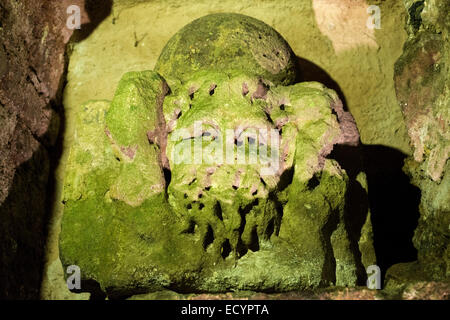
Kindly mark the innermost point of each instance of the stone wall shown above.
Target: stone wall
(32, 65)
(33, 60)
(422, 86)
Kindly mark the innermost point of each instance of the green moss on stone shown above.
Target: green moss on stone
(208, 226)
(228, 41)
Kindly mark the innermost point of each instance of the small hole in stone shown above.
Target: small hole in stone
(226, 249)
(167, 176)
(241, 248)
(209, 237)
(191, 96)
(333, 111)
(193, 180)
(235, 187)
(185, 195)
(191, 228)
(254, 240)
(218, 211)
(282, 107)
(313, 183)
(270, 229)
(201, 206)
(200, 195)
(254, 193)
(207, 188)
(189, 206)
(212, 89)
(118, 159)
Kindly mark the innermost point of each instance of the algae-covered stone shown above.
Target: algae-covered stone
(221, 182)
(272, 224)
(228, 41)
(132, 114)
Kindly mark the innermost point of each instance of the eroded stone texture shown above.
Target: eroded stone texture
(231, 227)
(422, 85)
(142, 212)
(228, 41)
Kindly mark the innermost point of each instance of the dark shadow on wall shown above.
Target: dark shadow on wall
(97, 12)
(394, 203)
(312, 72)
(356, 202)
(27, 210)
(22, 229)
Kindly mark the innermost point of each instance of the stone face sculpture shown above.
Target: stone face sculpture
(219, 182)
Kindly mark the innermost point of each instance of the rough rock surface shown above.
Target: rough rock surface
(133, 212)
(422, 86)
(33, 60)
(234, 227)
(32, 64)
(228, 40)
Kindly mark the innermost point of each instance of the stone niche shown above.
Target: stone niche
(93, 124)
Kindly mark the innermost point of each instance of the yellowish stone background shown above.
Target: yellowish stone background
(329, 33)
